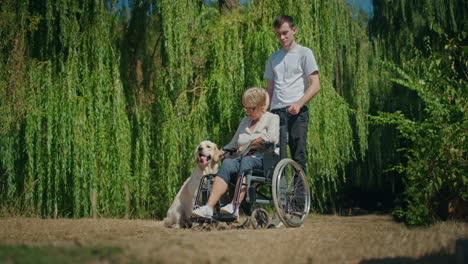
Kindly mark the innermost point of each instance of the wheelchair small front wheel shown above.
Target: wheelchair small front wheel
(291, 193)
(259, 218)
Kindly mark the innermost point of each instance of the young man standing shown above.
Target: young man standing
(293, 81)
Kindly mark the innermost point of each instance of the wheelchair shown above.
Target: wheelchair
(281, 182)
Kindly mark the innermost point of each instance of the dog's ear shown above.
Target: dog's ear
(218, 154)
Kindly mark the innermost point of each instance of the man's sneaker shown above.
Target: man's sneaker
(275, 222)
(204, 211)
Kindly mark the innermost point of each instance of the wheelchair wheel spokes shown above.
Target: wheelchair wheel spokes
(297, 197)
(291, 193)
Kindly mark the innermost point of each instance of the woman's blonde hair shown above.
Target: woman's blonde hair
(254, 97)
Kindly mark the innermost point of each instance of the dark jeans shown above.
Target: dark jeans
(297, 132)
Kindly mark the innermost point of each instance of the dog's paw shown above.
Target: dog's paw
(176, 226)
(167, 222)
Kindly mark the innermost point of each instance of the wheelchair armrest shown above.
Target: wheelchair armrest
(229, 152)
(232, 152)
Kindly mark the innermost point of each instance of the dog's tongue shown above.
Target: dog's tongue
(204, 159)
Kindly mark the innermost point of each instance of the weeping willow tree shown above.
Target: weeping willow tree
(73, 158)
(403, 27)
(228, 53)
(12, 99)
(421, 44)
(108, 108)
(399, 31)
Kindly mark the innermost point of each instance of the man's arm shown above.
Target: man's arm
(312, 90)
(270, 85)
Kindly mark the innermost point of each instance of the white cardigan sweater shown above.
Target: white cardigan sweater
(267, 128)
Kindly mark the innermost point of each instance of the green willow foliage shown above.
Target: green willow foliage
(401, 27)
(435, 169)
(399, 30)
(73, 156)
(108, 111)
(427, 101)
(235, 48)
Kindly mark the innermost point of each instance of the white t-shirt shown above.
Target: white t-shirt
(289, 70)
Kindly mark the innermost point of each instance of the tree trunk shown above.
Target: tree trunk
(226, 6)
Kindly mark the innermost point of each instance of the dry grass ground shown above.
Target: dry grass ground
(322, 239)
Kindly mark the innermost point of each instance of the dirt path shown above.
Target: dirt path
(322, 239)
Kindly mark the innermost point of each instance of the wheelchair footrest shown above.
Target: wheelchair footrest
(224, 217)
(202, 220)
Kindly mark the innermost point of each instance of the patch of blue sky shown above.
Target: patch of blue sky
(365, 5)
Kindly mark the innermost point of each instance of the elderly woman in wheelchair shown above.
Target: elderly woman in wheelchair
(257, 127)
(256, 168)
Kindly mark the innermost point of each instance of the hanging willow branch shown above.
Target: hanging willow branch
(95, 146)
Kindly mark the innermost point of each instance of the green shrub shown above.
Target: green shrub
(435, 168)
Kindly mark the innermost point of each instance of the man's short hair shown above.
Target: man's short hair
(280, 20)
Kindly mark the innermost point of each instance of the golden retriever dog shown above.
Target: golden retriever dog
(207, 156)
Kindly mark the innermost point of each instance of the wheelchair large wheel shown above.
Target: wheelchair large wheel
(291, 193)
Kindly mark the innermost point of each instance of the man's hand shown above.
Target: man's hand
(312, 90)
(295, 108)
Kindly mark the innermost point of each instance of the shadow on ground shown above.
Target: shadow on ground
(51, 255)
(460, 257)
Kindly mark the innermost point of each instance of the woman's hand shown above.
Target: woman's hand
(257, 145)
(239, 150)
